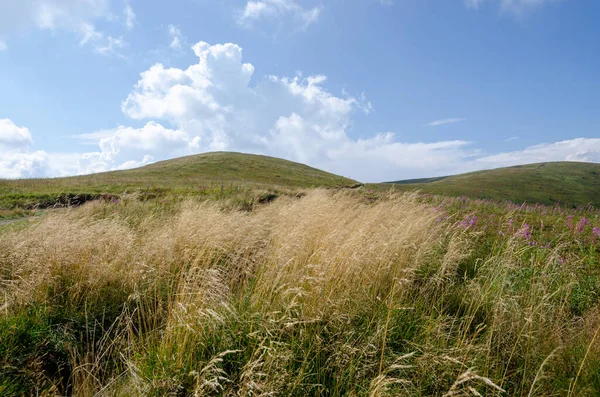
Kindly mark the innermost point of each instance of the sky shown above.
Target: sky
(374, 90)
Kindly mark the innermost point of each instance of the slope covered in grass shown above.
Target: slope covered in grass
(198, 174)
(324, 295)
(545, 183)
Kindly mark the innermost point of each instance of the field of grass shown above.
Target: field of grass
(328, 293)
(208, 175)
(545, 183)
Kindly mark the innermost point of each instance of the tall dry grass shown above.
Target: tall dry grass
(321, 295)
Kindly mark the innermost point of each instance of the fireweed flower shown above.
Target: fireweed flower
(581, 224)
(525, 232)
(469, 221)
(569, 219)
(596, 231)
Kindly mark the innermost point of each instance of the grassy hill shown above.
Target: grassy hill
(198, 173)
(545, 183)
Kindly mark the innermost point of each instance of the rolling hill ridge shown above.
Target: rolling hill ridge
(569, 183)
(572, 183)
(191, 174)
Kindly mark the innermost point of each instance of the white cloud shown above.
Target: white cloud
(385, 158)
(3, 46)
(129, 17)
(279, 11)
(512, 138)
(127, 147)
(111, 46)
(72, 15)
(16, 161)
(88, 33)
(579, 149)
(92, 138)
(295, 118)
(437, 123)
(24, 165)
(211, 105)
(514, 6)
(13, 137)
(177, 38)
(78, 17)
(299, 119)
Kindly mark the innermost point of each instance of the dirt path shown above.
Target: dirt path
(9, 221)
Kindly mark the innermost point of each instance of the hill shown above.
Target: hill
(545, 183)
(197, 173)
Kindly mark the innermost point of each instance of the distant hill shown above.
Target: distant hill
(181, 174)
(571, 183)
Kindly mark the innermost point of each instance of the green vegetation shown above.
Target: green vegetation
(210, 175)
(336, 293)
(229, 274)
(545, 183)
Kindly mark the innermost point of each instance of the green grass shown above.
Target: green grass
(335, 293)
(545, 183)
(210, 174)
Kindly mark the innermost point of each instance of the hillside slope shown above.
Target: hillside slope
(545, 183)
(184, 174)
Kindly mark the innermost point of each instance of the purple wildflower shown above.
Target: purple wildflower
(569, 219)
(525, 232)
(596, 231)
(581, 224)
(469, 221)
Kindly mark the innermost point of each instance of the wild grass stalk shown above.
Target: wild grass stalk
(326, 294)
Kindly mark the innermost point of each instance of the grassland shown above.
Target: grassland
(212, 275)
(332, 293)
(214, 175)
(545, 183)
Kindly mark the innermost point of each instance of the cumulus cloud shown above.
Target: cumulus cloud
(277, 10)
(16, 161)
(295, 118)
(513, 6)
(24, 165)
(127, 147)
(13, 137)
(385, 158)
(212, 105)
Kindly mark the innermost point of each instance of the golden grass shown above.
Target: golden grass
(323, 295)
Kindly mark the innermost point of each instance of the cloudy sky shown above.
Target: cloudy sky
(370, 89)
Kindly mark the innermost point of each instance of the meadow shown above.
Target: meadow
(569, 183)
(339, 292)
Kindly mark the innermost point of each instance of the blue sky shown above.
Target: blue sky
(371, 89)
